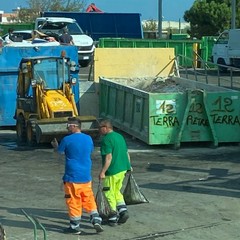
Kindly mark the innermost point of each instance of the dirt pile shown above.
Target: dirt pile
(153, 84)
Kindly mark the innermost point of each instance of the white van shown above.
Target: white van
(53, 26)
(226, 49)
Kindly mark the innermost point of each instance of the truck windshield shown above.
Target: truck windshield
(73, 28)
(51, 73)
(223, 38)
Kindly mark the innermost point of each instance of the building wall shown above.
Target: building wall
(4, 16)
(170, 24)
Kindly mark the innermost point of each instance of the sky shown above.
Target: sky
(172, 10)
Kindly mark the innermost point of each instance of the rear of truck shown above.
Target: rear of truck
(54, 27)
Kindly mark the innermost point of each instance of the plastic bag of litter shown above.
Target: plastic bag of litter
(2, 233)
(132, 193)
(103, 206)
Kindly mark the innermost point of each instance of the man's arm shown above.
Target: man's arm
(108, 160)
(55, 144)
(72, 42)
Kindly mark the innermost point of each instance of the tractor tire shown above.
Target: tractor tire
(84, 63)
(21, 131)
(31, 133)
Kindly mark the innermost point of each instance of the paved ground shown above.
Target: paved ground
(194, 193)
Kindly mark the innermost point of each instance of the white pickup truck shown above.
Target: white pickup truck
(226, 49)
(53, 26)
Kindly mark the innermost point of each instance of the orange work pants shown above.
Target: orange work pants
(79, 196)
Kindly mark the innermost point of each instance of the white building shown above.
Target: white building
(167, 27)
(4, 16)
(169, 24)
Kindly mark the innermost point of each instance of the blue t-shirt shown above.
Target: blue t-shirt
(77, 148)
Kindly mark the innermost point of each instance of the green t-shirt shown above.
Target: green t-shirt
(115, 144)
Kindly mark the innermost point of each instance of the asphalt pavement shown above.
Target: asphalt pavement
(193, 192)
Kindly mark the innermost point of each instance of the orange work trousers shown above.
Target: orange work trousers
(79, 196)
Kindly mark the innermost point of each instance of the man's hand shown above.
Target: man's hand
(54, 143)
(101, 175)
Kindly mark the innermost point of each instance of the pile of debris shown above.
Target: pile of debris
(153, 84)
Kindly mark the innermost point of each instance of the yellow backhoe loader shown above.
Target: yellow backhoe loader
(45, 100)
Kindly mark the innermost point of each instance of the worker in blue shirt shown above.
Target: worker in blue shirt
(77, 147)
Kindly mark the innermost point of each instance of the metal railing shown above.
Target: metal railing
(208, 72)
(36, 224)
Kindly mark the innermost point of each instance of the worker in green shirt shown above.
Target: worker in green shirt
(115, 164)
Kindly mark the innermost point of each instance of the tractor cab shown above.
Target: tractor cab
(49, 73)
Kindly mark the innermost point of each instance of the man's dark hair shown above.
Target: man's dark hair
(107, 123)
(10, 30)
(74, 120)
(65, 30)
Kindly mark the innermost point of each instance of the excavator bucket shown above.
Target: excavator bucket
(46, 130)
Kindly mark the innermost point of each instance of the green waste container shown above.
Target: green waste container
(125, 43)
(184, 47)
(171, 110)
(206, 49)
(180, 36)
(16, 26)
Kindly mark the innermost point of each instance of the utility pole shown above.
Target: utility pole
(233, 21)
(159, 18)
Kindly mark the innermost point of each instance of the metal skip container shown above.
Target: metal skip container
(171, 110)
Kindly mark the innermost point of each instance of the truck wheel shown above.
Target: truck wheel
(84, 63)
(21, 131)
(31, 133)
(222, 62)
